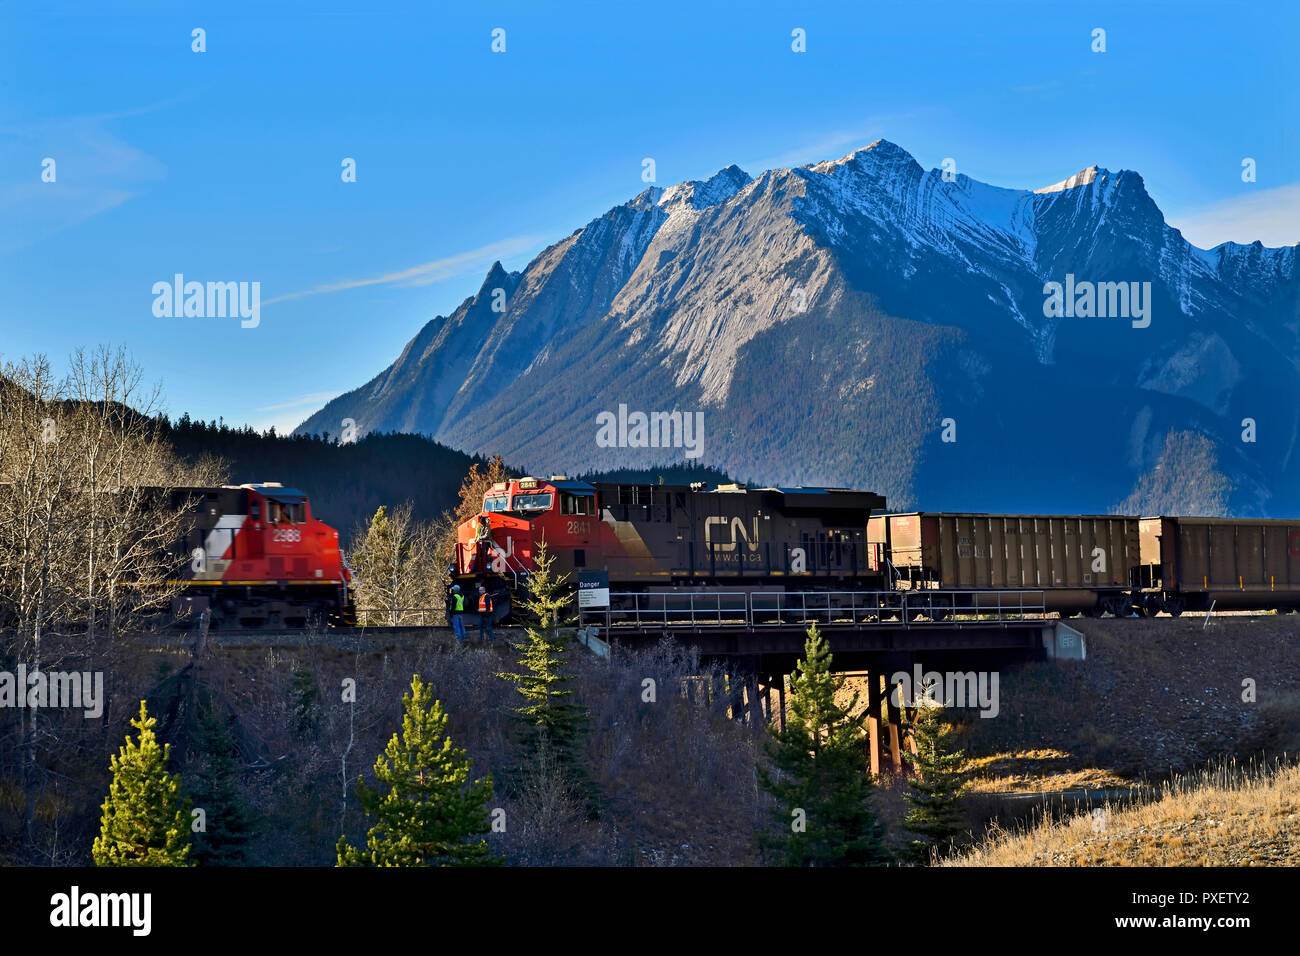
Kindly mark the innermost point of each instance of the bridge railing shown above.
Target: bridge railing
(759, 609)
(778, 608)
(958, 606)
(642, 609)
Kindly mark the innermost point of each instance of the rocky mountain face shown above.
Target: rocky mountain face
(869, 323)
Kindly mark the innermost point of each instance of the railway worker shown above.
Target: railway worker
(485, 608)
(457, 606)
(482, 543)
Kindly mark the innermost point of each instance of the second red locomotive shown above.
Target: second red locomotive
(255, 556)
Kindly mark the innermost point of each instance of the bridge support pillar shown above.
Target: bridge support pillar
(880, 697)
(743, 690)
(895, 730)
(780, 694)
(910, 715)
(873, 720)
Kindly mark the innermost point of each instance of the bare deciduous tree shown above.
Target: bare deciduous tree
(88, 522)
(397, 567)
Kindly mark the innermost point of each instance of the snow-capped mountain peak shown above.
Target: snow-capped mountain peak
(875, 155)
(701, 194)
(869, 290)
(1083, 177)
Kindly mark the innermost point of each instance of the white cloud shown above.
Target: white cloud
(311, 398)
(428, 272)
(292, 412)
(95, 170)
(283, 424)
(1270, 215)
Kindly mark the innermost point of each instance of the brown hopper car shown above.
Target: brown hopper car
(1232, 563)
(1081, 563)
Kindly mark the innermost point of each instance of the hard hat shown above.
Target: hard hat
(455, 587)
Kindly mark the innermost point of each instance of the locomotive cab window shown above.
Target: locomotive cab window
(495, 503)
(533, 503)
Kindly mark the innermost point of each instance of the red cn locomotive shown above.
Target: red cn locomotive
(670, 535)
(255, 557)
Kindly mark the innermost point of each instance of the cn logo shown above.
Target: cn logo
(500, 563)
(738, 533)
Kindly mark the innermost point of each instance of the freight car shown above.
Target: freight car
(674, 535)
(255, 556)
(1227, 563)
(1081, 563)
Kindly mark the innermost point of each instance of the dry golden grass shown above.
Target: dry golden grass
(1228, 816)
(1034, 771)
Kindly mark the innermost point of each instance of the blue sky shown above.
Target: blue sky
(225, 165)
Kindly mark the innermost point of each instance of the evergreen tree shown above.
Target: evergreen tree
(432, 813)
(228, 820)
(820, 776)
(935, 793)
(145, 822)
(551, 725)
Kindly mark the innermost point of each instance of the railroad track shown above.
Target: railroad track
(341, 638)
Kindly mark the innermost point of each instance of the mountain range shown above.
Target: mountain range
(868, 323)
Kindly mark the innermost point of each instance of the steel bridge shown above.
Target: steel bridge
(758, 636)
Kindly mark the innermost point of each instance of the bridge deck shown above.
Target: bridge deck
(767, 622)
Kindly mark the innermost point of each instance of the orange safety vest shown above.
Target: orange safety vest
(485, 604)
